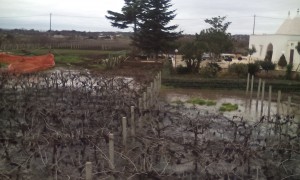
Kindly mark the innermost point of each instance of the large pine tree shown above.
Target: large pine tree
(150, 19)
(154, 34)
(130, 14)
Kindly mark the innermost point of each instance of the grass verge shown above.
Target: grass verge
(228, 107)
(201, 102)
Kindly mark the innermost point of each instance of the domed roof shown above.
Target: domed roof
(290, 26)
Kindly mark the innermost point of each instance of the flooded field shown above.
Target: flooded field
(231, 96)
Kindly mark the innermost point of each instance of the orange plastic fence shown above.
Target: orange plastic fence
(27, 64)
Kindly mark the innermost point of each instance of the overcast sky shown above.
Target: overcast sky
(89, 15)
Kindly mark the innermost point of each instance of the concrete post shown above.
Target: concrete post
(289, 105)
(278, 102)
(149, 97)
(151, 94)
(124, 131)
(247, 88)
(269, 103)
(251, 91)
(132, 123)
(159, 80)
(262, 98)
(88, 171)
(140, 113)
(144, 100)
(111, 151)
(258, 93)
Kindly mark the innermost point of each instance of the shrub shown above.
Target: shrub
(210, 70)
(182, 70)
(238, 69)
(288, 73)
(253, 68)
(282, 61)
(267, 65)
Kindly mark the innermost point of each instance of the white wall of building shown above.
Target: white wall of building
(281, 44)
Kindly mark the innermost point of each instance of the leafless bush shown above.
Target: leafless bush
(52, 124)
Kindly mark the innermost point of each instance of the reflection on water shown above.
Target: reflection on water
(233, 97)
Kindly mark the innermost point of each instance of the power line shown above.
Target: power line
(11, 17)
(270, 17)
(91, 17)
(95, 17)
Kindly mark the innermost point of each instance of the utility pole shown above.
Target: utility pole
(50, 47)
(50, 21)
(254, 24)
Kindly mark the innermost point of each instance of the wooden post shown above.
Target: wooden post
(269, 103)
(111, 151)
(132, 123)
(258, 93)
(262, 98)
(88, 171)
(278, 102)
(124, 131)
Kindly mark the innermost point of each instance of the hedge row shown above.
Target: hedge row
(286, 86)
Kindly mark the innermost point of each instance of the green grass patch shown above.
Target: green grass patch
(210, 103)
(97, 66)
(229, 107)
(80, 52)
(71, 56)
(65, 59)
(201, 102)
(178, 102)
(3, 65)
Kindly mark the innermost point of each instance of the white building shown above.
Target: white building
(284, 41)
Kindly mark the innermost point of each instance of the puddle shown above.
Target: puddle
(230, 96)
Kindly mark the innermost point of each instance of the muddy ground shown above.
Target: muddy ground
(51, 128)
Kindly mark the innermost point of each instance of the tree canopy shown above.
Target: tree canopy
(216, 39)
(150, 18)
(130, 14)
(192, 54)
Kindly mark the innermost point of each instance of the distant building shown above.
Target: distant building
(59, 36)
(283, 42)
